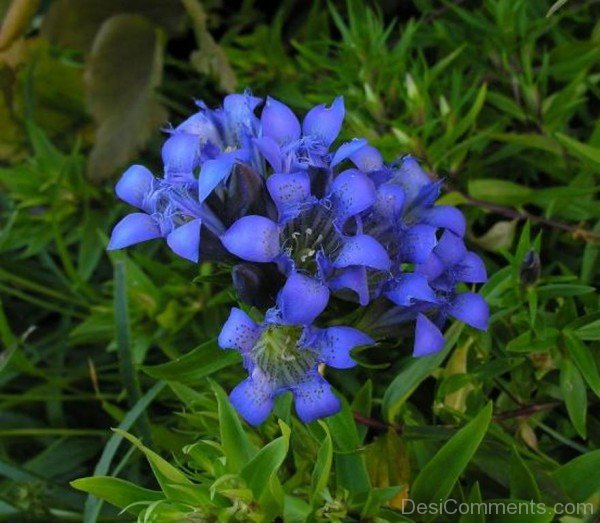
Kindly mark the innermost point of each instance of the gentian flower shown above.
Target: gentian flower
(309, 235)
(170, 212)
(290, 147)
(214, 140)
(283, 354)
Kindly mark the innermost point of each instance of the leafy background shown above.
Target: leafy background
(500, 98)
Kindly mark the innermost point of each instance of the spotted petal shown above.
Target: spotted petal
(239, 332)
(279, 122)
(363, 249)
(450, 249)
(446, 216)
(135, 184)
(325, 122)
(185, 240)
(335, 344)
(253, 238)
(302, 299)
(314, 399)
(428, 338)
(471, 269)
(390, 201)
(416, 243)
(470, 308)
(409, 288)
(367, 159)
(288, 190)
(134, 228)
(352, 192)
(253, 399)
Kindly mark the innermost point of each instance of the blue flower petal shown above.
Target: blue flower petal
(428, 338)
(409, 288)
(203, 127)
(471, 269)
(432, 268)
(325, 122)
(239, 332)
(390, 201)
(411, 177)
(352, 192)
(185, 240)
(450, 249)
(355, 279)
(347, 149)
(470, 308)
(446, 216)
(134, 228)
(302, 299)
(270, 149)
(253, 238)
(135, 184)
(314, 399)
(367, 159)
(253, 400)
(279, 122)
(416, 243)
(288, 190)
(180, 155)
(335, 344)
(214, 172)
(363, 250)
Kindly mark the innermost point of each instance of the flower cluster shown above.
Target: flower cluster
(269, 193)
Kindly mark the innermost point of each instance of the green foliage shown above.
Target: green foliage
(498, 98)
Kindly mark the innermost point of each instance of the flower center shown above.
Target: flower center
(281, 356)
(308, 233)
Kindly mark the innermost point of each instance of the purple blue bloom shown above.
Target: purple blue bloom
(309, 229)
(284, 352)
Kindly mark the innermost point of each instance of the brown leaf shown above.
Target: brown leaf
(16, 20)
(74, 23)
(210, 58)
(125, 67)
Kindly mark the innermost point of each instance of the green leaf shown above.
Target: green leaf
(474, 516)
(413, 373)
(584, 359)
(92, 504)
(437, 478)
(124, 68)
(196, 365)
(522, 481)
(555, 290)
(263, 467)
(579, 478)
(236, 446)
(574, 394)
(351, 472)
(578, 149)
(502, 192)
(165, 473)
(322, 470)
(118, 492)
(589, 332)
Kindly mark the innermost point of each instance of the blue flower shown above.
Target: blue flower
(309, 235)
(171, 213)
(289, 147)
(284, 352)
(431, 290)
(214, 141)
